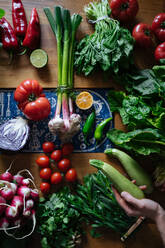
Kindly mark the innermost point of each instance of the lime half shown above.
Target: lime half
(39, 58)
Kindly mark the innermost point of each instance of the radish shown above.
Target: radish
(17, 222)
(25, 182)
(6, 176)
(17, 202)
(7, 193)
(18, 179)
(34, 194)
(2, 205)
(29, 204)
(11, 212)
(4, 223)
(27, 212)
(13, 187)
(24, 191)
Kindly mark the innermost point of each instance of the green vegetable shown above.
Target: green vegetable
(144, 142)
(88, 126)
(110, 47)
(2, 13)
(100, 127)
(59, 224)
(95, 200)
(134, 170)
(120, 182)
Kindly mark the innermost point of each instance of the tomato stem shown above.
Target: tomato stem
(32, 97)
(147, 32)
(125, 6)
(162, 25)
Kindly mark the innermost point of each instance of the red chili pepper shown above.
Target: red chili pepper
(19, 18)
(32, 37)
(160, 52)
(143, 35)
(124, 10)
(158, 26)
(9, 39)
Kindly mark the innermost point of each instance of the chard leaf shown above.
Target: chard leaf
(144, 142)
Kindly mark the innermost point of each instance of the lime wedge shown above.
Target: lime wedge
(39, 58)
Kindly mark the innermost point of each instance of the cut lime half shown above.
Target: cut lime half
(39, 58)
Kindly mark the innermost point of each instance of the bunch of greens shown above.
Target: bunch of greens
(143, 111)
(58, 223)
(109, 47)
(97, 203)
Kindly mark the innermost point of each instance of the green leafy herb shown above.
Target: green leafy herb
(96, 202)
(144, 142)
(109, 47)
(58, 223)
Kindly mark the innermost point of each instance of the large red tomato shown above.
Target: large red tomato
(124, 10)
(31, 100)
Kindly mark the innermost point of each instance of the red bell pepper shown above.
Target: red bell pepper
(124, 10)
(143, 35)
(9, 39)
(32, 37)
(160, 52)
(158, 26)
(19, 18)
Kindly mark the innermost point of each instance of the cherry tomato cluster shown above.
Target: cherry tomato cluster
(63, 164)
(145, 34)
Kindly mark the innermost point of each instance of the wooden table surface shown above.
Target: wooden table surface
(20, 69)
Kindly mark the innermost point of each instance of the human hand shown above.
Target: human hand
(136, 207)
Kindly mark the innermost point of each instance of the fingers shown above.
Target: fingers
(132, 200)
(143, 187)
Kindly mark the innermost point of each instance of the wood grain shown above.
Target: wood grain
(20, 69)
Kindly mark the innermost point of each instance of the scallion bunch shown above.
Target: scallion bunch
(64, 28)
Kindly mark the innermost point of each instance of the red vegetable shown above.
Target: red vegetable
(56, 155)
(19, 18)
(56, 178)
(67, 149)
(45, 187)
(32, 37)
(71, 175)
(158, 26)
(31, 100)
(45, 173)
(43, 161)
(6, 176)
(8, 36)
(124, 10)
(64, 165)
(143, 35)
(48, 146)
(2, 207)
(160, 51)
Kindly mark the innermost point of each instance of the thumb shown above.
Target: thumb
(131, 200)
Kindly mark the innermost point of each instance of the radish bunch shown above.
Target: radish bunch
(17, 201)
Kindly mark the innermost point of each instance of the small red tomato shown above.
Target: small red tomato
(158, 26)
(71, 175)
(45, 187)
(160, 52)
(64, 164)
(48, 146)
(56, 155)
(143, 35)
(67, 149)
(45, 173)
(56, 178)
(43, 161)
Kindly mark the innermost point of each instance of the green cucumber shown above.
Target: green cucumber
(133, 169)
(120, 182)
